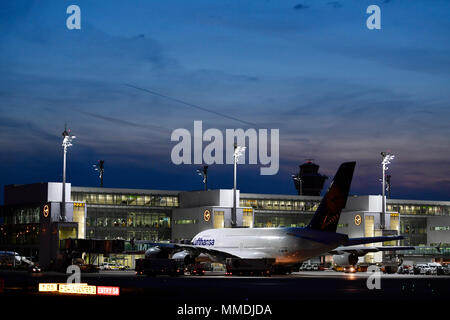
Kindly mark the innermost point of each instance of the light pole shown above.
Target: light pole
(238, 151)
(387, 157)
(204, 174)
(300, 182)
(388, 185)
(67, 142)
(101, 169)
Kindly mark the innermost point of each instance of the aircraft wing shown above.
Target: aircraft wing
(362, 250)
(364, 240)
(212, 252)
(195, 250)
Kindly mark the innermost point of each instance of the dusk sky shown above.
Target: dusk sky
(311, 68)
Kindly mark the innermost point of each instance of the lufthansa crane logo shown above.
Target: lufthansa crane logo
(46, 211)
(358, 219)
(206, 215)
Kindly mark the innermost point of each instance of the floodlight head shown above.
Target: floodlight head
(387, 158)
(65, 132)
(67, 141)
(238, 151)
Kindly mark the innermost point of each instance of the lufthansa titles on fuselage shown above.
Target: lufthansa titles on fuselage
(203, 242)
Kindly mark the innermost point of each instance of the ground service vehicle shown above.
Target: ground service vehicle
(196, 269)
(442, 270)
(433, 266)
(405, 269)
(236, 266)
(159, 266)
(350, 269)
(389, 268)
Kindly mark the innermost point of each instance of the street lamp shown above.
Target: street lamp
(67, 142)
(387, 158)
(101, 169)
(204, 174)
(238, 151)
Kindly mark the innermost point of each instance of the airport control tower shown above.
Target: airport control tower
(309, 182)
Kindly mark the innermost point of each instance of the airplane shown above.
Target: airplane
(348, 256)
(287, 246)
(13, 259)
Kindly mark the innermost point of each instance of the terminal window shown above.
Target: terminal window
(219, 219)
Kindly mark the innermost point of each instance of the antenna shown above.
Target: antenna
(100, 168)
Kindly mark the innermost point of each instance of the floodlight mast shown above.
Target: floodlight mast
(203, 172)
(388, 185)
(387, 158)
(238, 151)
(67, 142)
(101, 169)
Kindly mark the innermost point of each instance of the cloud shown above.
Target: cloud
(334, 92)
(300, 7)
(121, 122)
(335, 4)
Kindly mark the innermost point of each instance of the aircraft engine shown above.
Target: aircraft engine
(345, 259)
(184, 256)
(153, 253)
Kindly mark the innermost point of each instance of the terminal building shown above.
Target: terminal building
(30, 220)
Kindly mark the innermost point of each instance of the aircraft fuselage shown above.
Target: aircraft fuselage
(285, 245)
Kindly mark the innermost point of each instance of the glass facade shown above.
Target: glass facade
(283, 205)
(126, 215)
(144, 200)
(412, 209)
(280, 212)
(128, 223)
(186, 221)
(311, 205)
(19, 225)
(247, 217)
(218, 219)
(79, 213)
(20, 215)
(415, 231)
(269, 220)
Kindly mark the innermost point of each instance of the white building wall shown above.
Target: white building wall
(54, 192)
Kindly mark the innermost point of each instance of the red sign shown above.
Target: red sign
(108, 291)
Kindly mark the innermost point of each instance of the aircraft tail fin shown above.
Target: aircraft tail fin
(328, 213)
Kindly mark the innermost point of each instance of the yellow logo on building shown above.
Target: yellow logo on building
(358, 219)
(46, 211)
(395, 215)
(206, 215)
